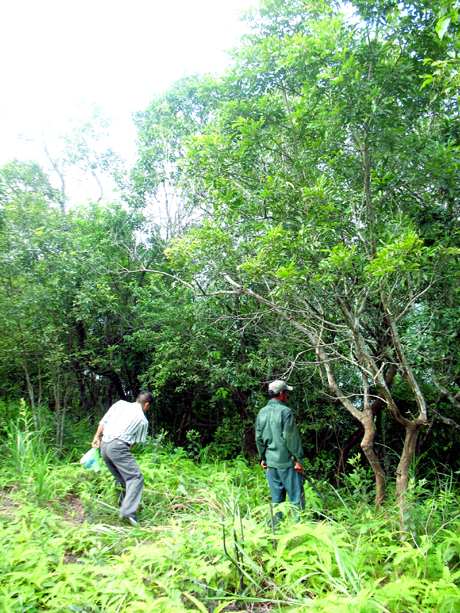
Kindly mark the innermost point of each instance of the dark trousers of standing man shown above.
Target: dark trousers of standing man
(282, 481)
(124, 468)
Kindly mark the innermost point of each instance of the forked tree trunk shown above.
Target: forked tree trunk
(412, 426)
(366, 419)
(365, 416)
(354, 438)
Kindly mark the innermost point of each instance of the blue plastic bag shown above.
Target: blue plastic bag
(91, 460)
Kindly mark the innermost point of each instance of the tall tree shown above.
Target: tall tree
(319, 166)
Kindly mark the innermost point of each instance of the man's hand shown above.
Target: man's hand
(264, 466)
(298, 467)
(97, 437)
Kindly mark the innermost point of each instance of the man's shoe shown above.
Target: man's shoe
(131, 519)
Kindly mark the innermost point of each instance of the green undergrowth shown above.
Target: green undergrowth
(206, 542)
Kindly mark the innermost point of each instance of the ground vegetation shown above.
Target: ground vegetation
(206, 541)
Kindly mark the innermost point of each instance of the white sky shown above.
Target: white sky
(55, 53)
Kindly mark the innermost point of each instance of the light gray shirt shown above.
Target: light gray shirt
(125, 421)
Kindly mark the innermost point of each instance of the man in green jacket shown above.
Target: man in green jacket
(280, 448)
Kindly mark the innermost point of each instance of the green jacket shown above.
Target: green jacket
(277, 436)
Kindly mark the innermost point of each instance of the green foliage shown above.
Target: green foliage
(359, 481)
(346, 559)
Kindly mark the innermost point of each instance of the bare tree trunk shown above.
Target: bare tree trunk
(183, 423)
(30, 388)
(367, 445)
(402, 472)
(57, 409)
(39, 403)
(63, 414)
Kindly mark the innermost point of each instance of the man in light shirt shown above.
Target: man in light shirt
(121, 428)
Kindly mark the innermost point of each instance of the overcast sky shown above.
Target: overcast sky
(56, 53)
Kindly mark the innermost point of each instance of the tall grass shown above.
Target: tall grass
(27, 460)
(206, 544)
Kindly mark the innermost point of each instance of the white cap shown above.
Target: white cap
(279, 386)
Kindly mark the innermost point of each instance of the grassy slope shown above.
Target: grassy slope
(64, 549)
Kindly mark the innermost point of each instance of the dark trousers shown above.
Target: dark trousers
(282, 481)
(127, 474)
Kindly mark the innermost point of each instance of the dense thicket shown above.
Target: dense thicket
(308, 229)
